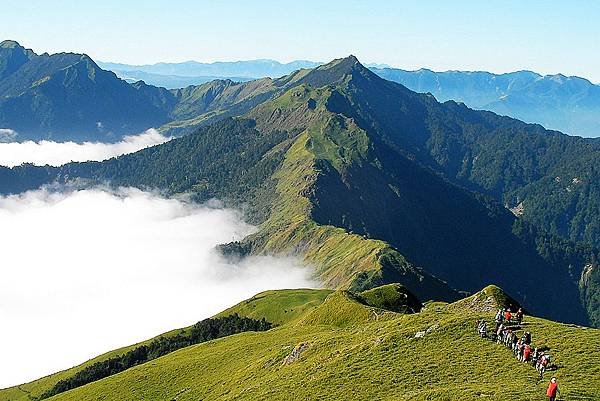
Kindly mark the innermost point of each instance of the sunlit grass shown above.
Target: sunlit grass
(354, 353)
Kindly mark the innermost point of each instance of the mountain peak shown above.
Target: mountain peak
(351, 59)
(12, 57)
(9, 44)
(336, 71)
(489, 299)
(347, 63)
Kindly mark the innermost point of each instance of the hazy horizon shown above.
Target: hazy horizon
(469, 35)
(368, 63)
(372, 64)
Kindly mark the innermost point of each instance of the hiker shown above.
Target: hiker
(552, 390)
(526, 337)
(499, 319)
(508, 338)
(534, 357)
(519, 316)
(483, 330)
(526, 353)
(519, 349)
(507, 315)
(538, 365)
(544, 362)
(500, 333)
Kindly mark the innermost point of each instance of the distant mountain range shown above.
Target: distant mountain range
(171, 81)
(567, 104)
(250, 69)
(180, 75)
(68, 96)
(373, 183)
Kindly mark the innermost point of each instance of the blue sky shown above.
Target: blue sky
(498, 36)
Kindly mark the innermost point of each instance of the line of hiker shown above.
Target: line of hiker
(504, 333)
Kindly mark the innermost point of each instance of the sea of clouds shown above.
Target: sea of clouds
(58, 153)
(86, 271)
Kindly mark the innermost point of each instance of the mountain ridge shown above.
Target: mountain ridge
(324, 337)
(341, 173)
(66, 95)
(566, 103)
(243, 68)
(511, 93)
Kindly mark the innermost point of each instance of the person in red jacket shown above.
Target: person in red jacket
(552, 390)
(526, 353)
(507, 315)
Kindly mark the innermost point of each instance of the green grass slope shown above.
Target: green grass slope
(343, 309)
(278, 307)
(490, 299)
(33, 389)
(365, 358)
(394, 297)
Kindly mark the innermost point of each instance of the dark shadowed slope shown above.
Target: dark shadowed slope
(67, 96)
(550, 178)
(340, 169)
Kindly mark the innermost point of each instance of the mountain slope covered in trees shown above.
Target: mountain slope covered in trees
(353, 173)
(67, 96)
(565, 103)
(550, 178)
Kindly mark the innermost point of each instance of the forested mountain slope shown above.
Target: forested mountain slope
(340, 169)
(66, 96)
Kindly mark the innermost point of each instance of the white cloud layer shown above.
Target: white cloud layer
(87, 271)
(58, 153)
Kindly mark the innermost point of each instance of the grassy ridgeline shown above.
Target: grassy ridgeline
(374, 354)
